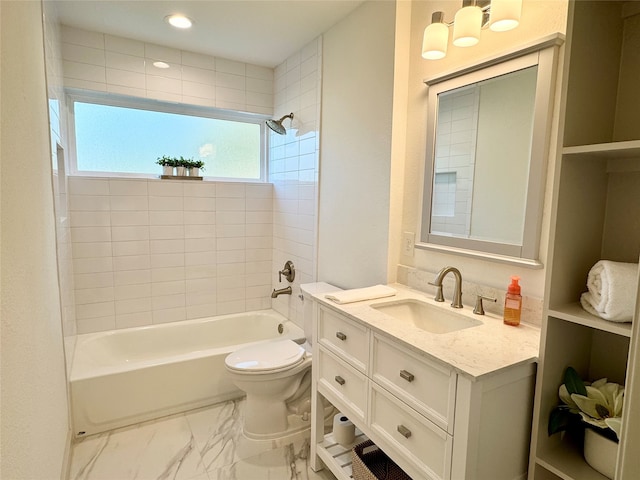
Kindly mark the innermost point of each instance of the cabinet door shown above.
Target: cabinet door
(341, 381)
(412, 436)
(345, 338)
(425, 385)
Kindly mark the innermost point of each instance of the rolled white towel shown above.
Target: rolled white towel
(612, 290)
(360, 294)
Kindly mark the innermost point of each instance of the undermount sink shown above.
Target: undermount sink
(426, 317)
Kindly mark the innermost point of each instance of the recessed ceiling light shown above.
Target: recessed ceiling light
(160, 65)
(178, 21)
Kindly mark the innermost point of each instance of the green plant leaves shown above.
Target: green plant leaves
(573, 382)
(559, 419)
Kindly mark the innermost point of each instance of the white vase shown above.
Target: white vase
(600, 453)
(181, 171)
(167, 170)
(194, 172)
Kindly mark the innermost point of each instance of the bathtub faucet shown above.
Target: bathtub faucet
(281, 291)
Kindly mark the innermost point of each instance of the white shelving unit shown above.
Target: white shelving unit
(596, 215)
(573, 312)
(336, 457)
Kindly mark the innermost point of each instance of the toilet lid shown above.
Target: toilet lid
(266, 356)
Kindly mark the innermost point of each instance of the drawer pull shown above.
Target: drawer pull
(404, 431)
(407, 376)
(341, 336)
(340, 380)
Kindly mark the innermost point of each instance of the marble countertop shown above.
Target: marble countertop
(474, 352)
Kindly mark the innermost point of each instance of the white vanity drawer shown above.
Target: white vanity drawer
(349, 385)
(427, 386)
(346, 338)
(414, 437)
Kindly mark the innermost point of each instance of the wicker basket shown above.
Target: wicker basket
(373, 464)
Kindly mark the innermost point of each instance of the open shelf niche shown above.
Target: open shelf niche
(597, 216)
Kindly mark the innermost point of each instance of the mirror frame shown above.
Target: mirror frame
(542, 53)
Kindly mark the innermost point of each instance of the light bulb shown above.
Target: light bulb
(435, 39)
(466, 26)
(178, 21)
(505, 14)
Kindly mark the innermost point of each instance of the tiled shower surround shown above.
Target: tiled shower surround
(149, 251)
(99, 62)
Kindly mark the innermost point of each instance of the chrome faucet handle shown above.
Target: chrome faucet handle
(288, 271)
(479, 308)
(439, 296)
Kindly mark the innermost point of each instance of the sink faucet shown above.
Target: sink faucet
(281, 291)
(456, 302)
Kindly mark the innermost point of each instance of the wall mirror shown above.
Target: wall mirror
(487, 148)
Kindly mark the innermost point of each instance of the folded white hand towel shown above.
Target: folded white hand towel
(360, 294)
(612, 290)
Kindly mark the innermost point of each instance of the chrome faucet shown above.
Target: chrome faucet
(456, 302)
(281, 291)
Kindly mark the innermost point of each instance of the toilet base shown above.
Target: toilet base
(296, 425)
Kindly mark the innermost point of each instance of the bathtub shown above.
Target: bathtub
(128, 376)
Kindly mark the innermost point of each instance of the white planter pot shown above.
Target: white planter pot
(194, 172)
(167, 170)
(600, 453)
(181, 171)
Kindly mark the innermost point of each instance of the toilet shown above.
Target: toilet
(276, 377)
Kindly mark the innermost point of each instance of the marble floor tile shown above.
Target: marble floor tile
(204, 444)
(163, 449)
(284, 463)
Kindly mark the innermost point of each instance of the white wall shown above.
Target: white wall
(150, 251)
(355, 147)
(293, 171)
(105, 63)
(60, 166)
(34, 420)
(539, 18)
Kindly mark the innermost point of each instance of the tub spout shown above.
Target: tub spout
(281, 291)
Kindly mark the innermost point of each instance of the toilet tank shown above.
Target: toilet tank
(307, 290)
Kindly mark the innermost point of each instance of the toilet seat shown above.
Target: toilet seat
(267, 357)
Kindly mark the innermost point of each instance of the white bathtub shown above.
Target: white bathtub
(127, 376)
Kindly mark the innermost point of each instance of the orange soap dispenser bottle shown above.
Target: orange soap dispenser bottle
(513, 303)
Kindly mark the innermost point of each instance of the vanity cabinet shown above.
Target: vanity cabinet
(595, 212)
(433, 421)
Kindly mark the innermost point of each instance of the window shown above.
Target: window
(126, 136)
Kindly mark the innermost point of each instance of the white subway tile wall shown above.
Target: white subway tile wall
(100, 62)
(154, 251)
(455, 161)
(293, 171)
(57, 124)
(151, 251)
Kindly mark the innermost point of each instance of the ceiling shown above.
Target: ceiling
(261, 32)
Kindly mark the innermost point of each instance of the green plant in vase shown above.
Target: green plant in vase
(596, 406)
(181, 167)
(194, 167)
(167, 164)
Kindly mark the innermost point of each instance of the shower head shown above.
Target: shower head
(276, 125)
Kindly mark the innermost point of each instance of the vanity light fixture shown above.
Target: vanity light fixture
(436, 38)
(179, 21)
(467, 24)
(498, 15)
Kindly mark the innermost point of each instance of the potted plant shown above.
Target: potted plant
(194, 167)
(598, 407)
(181, 167)
(167, 164)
